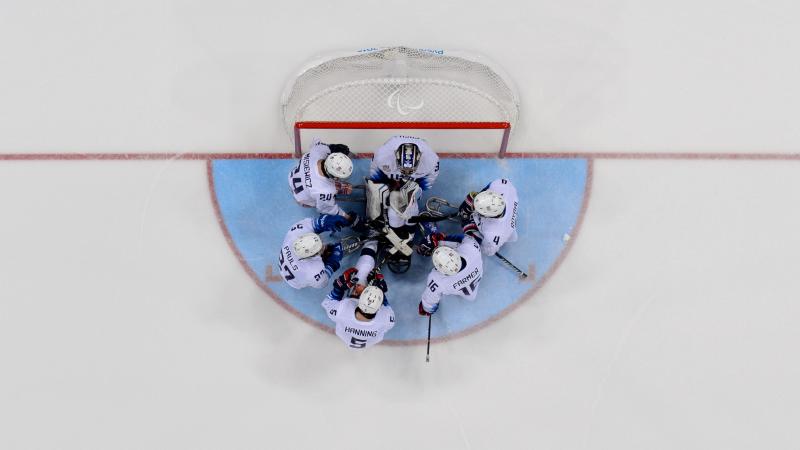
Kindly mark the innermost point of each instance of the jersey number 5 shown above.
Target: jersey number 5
(357, 343)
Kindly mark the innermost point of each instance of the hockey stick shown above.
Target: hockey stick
(350, 199)
(428, 354)
(427, 216)
(511, 265)
(352, 243)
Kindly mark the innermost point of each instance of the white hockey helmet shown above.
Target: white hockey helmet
(446, 260)
(489, 204)
(339, 166)
(370, 300)
(307, 245)
(408, 158)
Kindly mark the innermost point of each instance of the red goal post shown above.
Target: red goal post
(460, 102)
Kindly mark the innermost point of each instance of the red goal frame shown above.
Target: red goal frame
(504, 129)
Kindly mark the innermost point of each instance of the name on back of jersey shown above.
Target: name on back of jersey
(466, 280)
(289, 259)
(307, 171)
(360, 332)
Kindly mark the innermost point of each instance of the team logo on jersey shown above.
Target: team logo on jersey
(395, 101)
(256, 209)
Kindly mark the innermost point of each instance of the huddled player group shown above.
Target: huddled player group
(401, 169)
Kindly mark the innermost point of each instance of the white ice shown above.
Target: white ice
(127, 322)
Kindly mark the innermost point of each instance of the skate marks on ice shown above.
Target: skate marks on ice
(255, 210)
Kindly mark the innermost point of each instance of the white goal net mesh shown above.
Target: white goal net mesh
(400, 84)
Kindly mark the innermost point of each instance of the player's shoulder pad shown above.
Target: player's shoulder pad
(502, 184)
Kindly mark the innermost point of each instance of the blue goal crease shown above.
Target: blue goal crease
(257, 209)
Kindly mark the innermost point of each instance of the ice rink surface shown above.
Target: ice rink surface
(127, 321)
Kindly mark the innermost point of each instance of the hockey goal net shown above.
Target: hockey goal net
(460, 102)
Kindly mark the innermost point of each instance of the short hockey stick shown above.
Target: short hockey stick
(511, 265)
(350, 199)
(428, 354)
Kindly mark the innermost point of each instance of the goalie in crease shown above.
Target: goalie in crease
(402, 168)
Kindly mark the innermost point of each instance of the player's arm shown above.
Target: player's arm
(471, 229)
(490, 243)
(343, 282)
(329, 222)
(366, 261)
(426, 181)
(340, 148)
(319, 150)
(326, 204)
(434, 240)
(330, 306)
(302, 227)
(331, 258)
(390, 320)
(430, 296)
(377, 175)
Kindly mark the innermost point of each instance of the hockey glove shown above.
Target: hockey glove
(343, 188)
(345, 281)
(472, 230)
(377, 224)
(466, 208)
(425, 312)
(350, 277)
(436, 238)
(329, 222)
(339, 148)
(380, 282)
(332, 260)
(337, 252)
(358, 223)
(430, 243)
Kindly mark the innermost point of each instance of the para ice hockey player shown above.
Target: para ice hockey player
(319, 176)
(401, 169)
(490, 216)
(456, 271)
(405, 158)
(304, 261)
(364, 316)
(407, 165)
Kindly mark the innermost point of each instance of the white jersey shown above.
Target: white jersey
(385, 161)
(310, 187)
(355, 333)
(496, 231)
(465, 283)
(300, 273)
